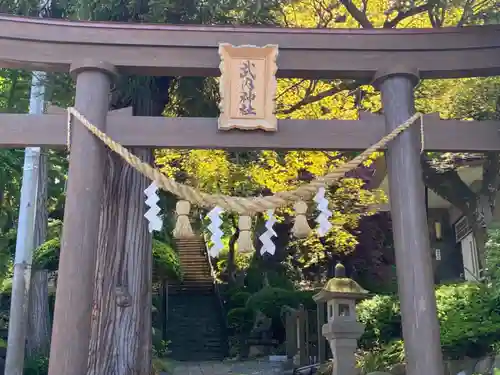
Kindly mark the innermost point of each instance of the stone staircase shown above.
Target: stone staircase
(195, 323)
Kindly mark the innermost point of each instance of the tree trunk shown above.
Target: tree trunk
(42, 214)
(121, 331)
(39, 317)
(231, 256)
(121, 328)
(38, 336)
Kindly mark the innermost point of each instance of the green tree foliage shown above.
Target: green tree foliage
(468, 313)
(165, 260)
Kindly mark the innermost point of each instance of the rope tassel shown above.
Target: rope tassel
(301, 228)
(245, 242)
(183, 228)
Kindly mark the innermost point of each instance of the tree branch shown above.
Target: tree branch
(389, 24)
(309, 99)
(466, 13)
(491, 178)
(448, 185)
(357, 14)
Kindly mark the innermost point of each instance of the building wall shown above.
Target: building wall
(450, 266)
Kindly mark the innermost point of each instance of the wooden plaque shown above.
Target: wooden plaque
(248, 87)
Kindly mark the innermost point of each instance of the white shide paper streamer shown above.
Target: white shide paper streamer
(152, 215)
(214, 228)
(325, 214)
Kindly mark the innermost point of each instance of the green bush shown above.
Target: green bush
(270, 300)
(493, 259)
(382, 359)
(47, 255)
(468, 314)
(36, 366)
(238, 299)
(166, 262)
(305, 297)
(470, 319)
(276, 277)
(382, 318)
(240, 320)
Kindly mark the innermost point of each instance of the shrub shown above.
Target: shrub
(382, 318)
(277, 278)
(382, 359)
(47, 255)
(240, 320)
(238, 299)
(493, 258)
(270, 300)
(166, 262)
(36, 366)
(305, 297)
(470, 319)
(468, 314)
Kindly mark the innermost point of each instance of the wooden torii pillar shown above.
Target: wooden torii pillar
(410, 231)
(77, 262)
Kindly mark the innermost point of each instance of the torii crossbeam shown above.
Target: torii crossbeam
(21, 130)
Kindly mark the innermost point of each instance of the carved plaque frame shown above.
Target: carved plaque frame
(248, 87)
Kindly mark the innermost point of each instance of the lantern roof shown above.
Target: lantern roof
(340, 286)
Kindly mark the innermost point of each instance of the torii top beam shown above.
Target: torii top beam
(53, 45)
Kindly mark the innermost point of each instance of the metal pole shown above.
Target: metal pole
(14, 362)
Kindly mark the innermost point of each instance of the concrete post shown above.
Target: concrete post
(343, 335)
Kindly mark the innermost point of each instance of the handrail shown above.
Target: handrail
(216, 288)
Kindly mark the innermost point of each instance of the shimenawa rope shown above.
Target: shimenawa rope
(242, 206)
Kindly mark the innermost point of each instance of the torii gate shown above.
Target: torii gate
(394, 59)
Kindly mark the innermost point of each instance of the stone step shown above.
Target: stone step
(199, 248)
(195, 262)
(193, 257)
(196, 270)
(190, 240)
(192, 286)
(191, 290)
(194, 324)
(191, 267)
(196, 277)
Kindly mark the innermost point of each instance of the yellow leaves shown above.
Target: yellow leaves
(459, 98)
(323, 100)
(279, 172)
(209, 170)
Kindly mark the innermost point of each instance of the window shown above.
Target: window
(344, 309)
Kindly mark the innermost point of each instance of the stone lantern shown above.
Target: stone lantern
(342, 329)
